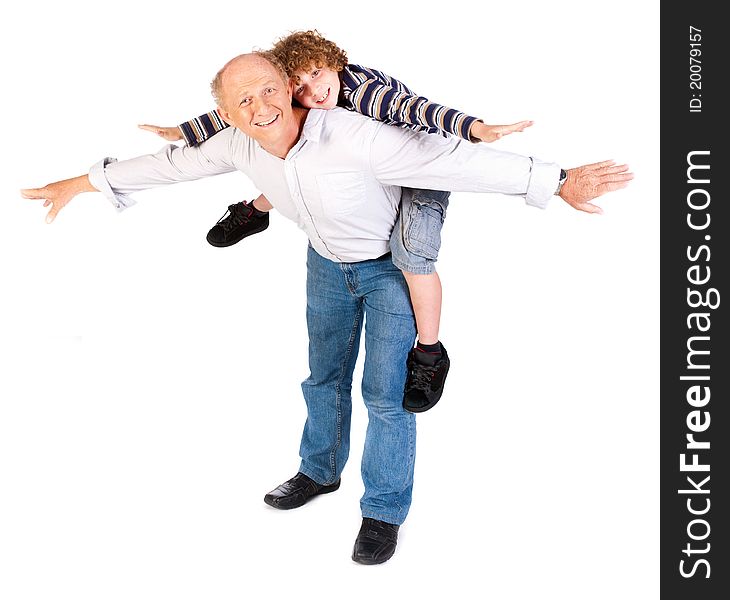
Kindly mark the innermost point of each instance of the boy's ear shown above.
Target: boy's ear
(224, 115)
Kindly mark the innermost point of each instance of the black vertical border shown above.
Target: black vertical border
(682, 132)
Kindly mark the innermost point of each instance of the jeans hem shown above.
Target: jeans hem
(426, 269)
(310, 474)
(387, 518)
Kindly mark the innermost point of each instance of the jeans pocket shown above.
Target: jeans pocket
(423, 223)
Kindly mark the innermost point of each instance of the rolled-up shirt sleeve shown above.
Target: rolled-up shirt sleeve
(97, 177)
(421, 160)
(172, 164)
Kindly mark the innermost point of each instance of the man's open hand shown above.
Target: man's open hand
(59, 194)
(591, 181)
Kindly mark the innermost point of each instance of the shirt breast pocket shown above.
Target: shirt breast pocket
(341, 193)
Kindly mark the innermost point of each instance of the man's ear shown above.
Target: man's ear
(224, 115)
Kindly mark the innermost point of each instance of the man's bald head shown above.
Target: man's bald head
(255, 97)
(239, 65)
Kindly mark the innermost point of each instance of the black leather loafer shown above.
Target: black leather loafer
(297, 491)
(375, 543)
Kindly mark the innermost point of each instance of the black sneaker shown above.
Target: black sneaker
(240, 221)
(425, 383)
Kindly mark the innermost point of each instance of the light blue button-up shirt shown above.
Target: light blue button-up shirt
(341, 182)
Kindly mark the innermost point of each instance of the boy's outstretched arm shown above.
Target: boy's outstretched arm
(380, 96)
(194, 132)
(170, 134)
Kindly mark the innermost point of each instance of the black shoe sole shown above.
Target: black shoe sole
(236, 240)
(327, 489)
(368, 561)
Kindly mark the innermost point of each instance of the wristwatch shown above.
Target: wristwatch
(561, 181)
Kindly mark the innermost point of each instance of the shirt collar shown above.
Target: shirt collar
(313, 125)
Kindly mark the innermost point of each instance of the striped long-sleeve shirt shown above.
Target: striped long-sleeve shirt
(373, 94)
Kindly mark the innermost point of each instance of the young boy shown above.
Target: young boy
(323, 79)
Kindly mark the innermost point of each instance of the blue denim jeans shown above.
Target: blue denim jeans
(341, 298)
(416, 237)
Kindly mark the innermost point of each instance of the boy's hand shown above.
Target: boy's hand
(481, 132)
(171, 134)
(591, 181)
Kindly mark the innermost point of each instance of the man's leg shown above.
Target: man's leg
(390, 441)
(334, 322)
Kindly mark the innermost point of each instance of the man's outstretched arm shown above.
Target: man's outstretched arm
(413, 159)
(118, 179)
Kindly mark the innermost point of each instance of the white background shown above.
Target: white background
(150, 382)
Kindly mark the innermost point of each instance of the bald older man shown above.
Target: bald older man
(337, 174)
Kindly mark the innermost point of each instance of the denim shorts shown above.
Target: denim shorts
(416, 237)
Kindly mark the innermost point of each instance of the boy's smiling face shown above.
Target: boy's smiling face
(316, 87)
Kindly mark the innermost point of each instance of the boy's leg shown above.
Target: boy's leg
(240, 221)
(425, 291)
(261, 204)
(415, 245)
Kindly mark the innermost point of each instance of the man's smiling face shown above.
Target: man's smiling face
(256, 100)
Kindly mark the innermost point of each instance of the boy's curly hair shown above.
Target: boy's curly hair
(302, 50)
